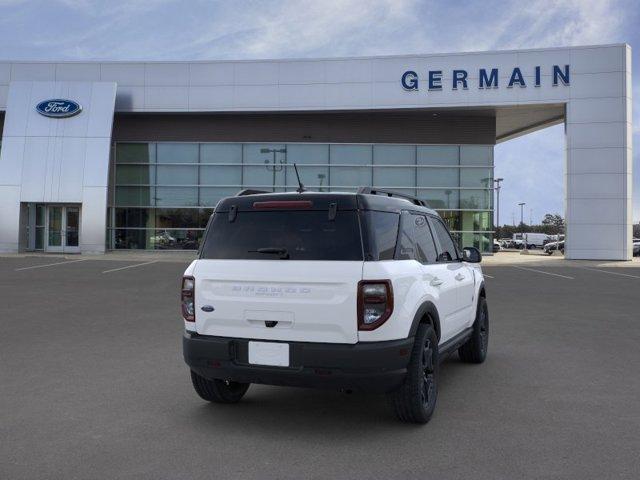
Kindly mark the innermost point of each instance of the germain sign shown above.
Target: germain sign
(487, 78)
(58, 108)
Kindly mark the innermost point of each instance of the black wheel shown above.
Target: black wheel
(475, 350)
(415, 400)
(218, 391)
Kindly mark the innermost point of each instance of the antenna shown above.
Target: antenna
(300, 184)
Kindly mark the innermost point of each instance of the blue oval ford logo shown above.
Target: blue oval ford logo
(58, 108)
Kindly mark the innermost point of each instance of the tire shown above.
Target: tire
(475, 349)
(415, 400)
(218, 391)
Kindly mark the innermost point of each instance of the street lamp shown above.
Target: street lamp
(275, 167)
(524, 239)
(497, 182)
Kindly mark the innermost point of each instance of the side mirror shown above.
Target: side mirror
(471, 255)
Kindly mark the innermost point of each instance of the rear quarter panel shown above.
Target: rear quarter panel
(410, 291)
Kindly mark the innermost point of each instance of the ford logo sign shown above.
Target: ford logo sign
(58, 108)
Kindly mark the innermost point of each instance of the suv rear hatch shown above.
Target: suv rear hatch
(281, 267)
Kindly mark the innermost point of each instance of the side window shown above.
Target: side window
(416, 241)
(382, 234)
(447, 251)
(406, 242)
(425, 247)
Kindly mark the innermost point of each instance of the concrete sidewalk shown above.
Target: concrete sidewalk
(538, 258)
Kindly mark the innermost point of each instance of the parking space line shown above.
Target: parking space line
(130, 266)
(50, 264)
(485, 275)
(611, 273)
(543, 272)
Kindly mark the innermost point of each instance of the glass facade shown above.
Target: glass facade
(163, 193)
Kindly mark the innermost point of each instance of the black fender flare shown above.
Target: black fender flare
(427, 308)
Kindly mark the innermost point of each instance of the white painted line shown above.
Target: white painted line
(50, 264)
(485, 275)
(130, 266)
(611, 273)
(543, 272)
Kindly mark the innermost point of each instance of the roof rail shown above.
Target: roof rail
(250, 191)
(389, 193)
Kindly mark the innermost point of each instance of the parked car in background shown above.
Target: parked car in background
(533, 240)
(551, 247)
(496, 246)
(636, 247)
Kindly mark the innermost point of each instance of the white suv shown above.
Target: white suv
(363, 291)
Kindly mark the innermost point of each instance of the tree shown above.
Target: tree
(554, 220)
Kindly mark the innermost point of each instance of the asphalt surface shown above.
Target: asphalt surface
(93, 386)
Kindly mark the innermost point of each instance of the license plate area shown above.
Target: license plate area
(269, 353)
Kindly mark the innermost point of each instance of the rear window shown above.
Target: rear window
(277, 235)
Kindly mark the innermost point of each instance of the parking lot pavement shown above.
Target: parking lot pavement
(94, 386)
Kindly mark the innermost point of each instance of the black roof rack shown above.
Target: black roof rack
(389, 193)
(250, 191)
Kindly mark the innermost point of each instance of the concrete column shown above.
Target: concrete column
(599, 166)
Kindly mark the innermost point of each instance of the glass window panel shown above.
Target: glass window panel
(437, 155)
(395, 177)
(177, 218)
(218, 175)
(132, 239)
(40, 215)
(476, 155)
(447, 244)
(176, 239)
(451, 218)
(482, 241)
(476, 177)
(440, 199)
(438, 177)
(134, 196)
(178, 152)
(394, 154)
(263, 174)
(476, 199)
(39, 238)
(134, 217)
(221, 153)
(349, 177)
(314, 177)
(478, 221)
(210, 196)
(301, 154)
(177, 196)
(177, 175)
(135, 175)
(135, 152)
(203, 216)
(351, 154)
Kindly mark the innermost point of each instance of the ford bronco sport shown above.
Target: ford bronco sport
(358, 291)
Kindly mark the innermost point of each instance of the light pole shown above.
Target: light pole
(524, 240)
(274, 167)
(497, 182)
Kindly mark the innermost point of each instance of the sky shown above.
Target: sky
(532, 166)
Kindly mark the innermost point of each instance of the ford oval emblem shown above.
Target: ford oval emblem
(58, 108)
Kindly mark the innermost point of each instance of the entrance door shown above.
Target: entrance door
(63, 229)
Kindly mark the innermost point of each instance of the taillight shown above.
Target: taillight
(375, 303)
(188, 299)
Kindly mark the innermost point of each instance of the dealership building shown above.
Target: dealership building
(98, 156)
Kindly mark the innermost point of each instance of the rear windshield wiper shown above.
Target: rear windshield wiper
(284, 254)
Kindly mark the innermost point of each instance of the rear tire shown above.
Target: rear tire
(415, 400)
(475, 350)
(218, 391)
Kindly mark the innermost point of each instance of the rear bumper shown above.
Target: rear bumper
(371, 367)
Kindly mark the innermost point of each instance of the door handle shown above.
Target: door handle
(459, 277)
(436, 282)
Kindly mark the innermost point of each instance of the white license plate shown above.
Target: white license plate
(269, 353)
